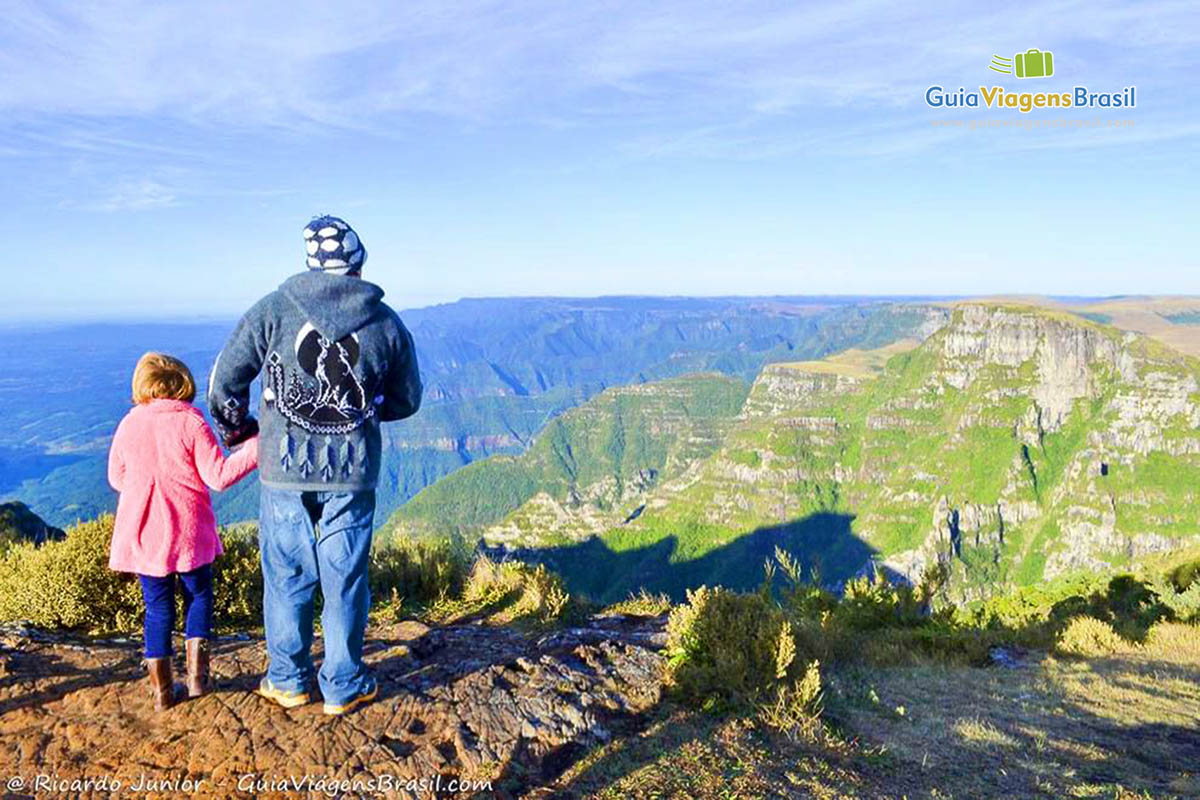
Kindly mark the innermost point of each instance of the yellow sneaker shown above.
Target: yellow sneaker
(280, 696)
(360, 700)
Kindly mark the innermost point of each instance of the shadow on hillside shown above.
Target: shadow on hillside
(823, 542)
(987, 744)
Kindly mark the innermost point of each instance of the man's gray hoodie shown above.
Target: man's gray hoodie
(335, 361)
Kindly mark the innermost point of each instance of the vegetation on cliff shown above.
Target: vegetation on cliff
(1014, 445)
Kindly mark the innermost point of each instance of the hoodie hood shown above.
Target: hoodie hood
(336, 305)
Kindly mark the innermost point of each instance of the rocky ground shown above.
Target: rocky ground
(469, 702)
(579, 713)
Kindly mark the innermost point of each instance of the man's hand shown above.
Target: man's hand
(234, 437)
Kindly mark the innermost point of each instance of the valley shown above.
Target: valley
(496, 371)
(1016, 444)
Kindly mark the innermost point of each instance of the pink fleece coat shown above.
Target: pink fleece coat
(162, 455)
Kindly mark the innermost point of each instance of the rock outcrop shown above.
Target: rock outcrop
(465, 701)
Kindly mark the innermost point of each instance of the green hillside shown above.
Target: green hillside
(595, 457)
(1015, 444)
(496, 371)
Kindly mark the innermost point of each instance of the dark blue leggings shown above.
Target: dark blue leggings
(159, 594)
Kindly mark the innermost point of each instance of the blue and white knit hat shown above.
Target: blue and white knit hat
(333, 245)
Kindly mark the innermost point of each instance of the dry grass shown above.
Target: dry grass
(689, 754)
(1115, 726)
(639, 604)
(507, 593)
(1093, 727)
(855, 363)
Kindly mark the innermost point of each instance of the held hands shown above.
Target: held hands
(235, 436)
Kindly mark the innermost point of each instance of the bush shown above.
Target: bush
(68, 584)
(1088, 636)
(237, 580)
(1038, 615)
(727, 647)
(1184, 576)
(509, 591)
(796, 706)
(1184, 605)
(419, 572)
(641, 604)
(872, 603)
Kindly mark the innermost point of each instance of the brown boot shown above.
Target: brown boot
(198, 682)
(162, 685)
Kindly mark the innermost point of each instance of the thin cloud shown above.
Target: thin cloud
(722, 79)
(133, 194)
(262, 64)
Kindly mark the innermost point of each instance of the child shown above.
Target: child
(162, 455)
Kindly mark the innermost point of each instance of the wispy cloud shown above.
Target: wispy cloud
(244, 64)
(677, 78)
(132, 194)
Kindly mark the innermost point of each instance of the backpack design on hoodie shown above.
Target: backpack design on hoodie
(331, 400)
(335, 362)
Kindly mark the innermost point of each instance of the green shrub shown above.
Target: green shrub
(237, 579)
(68, 584)
(796, 707)
(1088, 636)
(729, 647)
(1184, 576)
(418, 572)
(1132, 605)
(802, 599)
(507, 592)
(639, 604)
(1183, 605)
(1129, 604)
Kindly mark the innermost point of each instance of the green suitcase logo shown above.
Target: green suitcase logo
(1033, 63)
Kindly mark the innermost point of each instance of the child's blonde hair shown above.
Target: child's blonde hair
(161, 376)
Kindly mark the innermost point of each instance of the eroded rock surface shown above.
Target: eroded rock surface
(464, 701)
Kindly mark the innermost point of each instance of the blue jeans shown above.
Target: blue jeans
(306, 539)
(159, 595)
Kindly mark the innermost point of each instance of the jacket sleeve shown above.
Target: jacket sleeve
(402, 385)
(215, 469)
(235, 369)
(116, 462)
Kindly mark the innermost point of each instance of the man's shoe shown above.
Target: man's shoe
(281, 696)
(359, 700)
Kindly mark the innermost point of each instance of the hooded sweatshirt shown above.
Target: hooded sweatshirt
(335, 362)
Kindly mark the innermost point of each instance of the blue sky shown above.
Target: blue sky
(162, 158)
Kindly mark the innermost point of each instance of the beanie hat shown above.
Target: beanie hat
(332, 244)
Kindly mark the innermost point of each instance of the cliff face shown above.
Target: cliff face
(1013, 444)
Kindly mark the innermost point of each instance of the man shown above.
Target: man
(335, 362)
